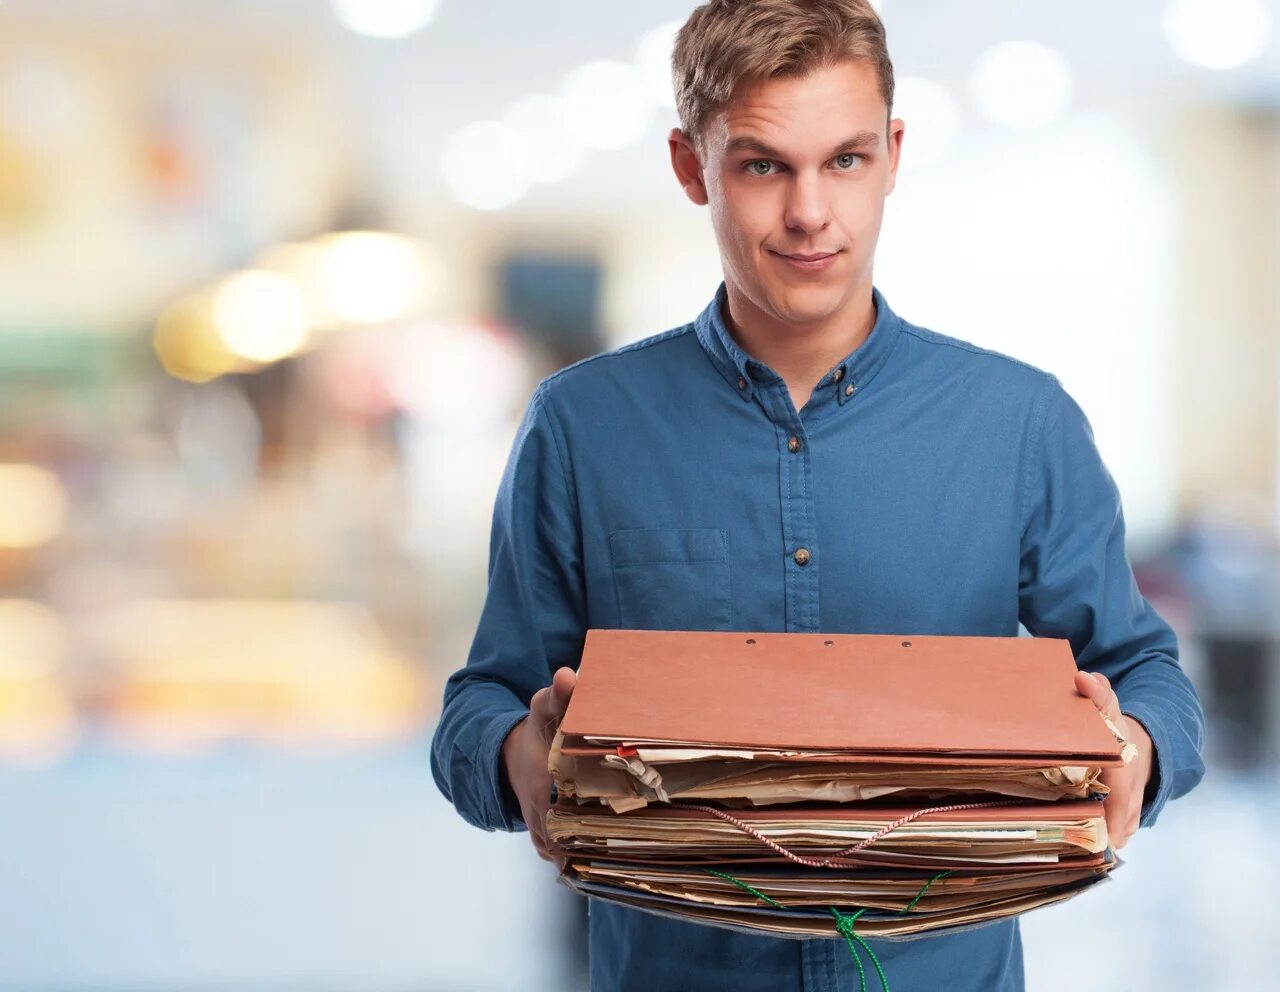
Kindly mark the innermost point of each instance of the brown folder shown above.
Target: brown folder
(905, 697)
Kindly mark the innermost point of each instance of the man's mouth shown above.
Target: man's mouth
(811, 258)
(816, 262)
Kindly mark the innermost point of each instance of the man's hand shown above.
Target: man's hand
(1128, 783)
(525, 752)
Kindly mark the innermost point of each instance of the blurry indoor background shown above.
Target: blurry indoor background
(277, 278)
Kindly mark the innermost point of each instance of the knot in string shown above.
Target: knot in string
(844, 927)
(844, 923)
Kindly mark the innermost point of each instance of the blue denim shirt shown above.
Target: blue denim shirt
(938, 488)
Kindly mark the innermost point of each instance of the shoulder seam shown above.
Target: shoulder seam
(933, 337)
(647, 342)
(1033, 447)
(543, 397)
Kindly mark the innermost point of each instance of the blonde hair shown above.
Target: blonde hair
(725, 42)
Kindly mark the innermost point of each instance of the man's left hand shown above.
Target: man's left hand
(1128, 783)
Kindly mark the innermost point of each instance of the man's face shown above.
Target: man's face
(796, 166)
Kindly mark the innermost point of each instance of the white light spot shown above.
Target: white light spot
(1022, 84)
(1217, 34)
(607, 104)
(385, 18)
(260, 315)
(486, 165)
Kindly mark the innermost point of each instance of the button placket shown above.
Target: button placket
(796, 489)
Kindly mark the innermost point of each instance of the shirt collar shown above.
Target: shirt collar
(743, 372)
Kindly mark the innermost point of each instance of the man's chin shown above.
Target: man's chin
(805, 304)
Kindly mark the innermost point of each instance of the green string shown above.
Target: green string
(844, 927)
(844, 924)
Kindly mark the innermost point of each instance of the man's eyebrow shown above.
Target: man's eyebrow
(745, 142)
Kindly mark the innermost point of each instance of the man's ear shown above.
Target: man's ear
(897, 128)
(684, 162)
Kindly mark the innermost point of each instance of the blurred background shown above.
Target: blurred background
(277, 278)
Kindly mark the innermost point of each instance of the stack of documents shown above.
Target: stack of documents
(756, 780)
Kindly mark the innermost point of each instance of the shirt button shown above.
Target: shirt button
(848, 390)
(742, 383)
(801, 556)
(793, 444)
(837, 375)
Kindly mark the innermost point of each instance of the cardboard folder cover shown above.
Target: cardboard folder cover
(881, 696)
(846, 769)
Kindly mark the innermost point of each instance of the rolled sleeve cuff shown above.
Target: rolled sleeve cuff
(1160, 763)
(500, 793)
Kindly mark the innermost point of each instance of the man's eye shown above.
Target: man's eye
(855, 160)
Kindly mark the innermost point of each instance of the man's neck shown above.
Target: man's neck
(801, 354)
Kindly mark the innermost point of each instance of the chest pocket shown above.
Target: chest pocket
(672, 578)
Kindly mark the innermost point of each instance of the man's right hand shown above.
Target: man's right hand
(525, 753)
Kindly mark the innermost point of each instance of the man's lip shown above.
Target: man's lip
(807, 258)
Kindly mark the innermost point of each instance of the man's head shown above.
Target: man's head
(785, 107)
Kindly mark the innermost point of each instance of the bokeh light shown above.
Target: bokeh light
(553, 152)
(1217, 34)
(188, 344)
(369, 277)
(385, 18)
(607, 104)
(33, 506)
(1022, 84)
(486, 165)
(653, 61)
(260, 315)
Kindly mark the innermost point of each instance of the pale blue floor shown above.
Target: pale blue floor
(1192, 907)
(259, 871)
(253, 870)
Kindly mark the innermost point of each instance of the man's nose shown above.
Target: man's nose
(807, 208)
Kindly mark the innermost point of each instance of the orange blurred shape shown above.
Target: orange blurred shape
(187, 342)
(298, 671)
(33, 505)
(37, 717)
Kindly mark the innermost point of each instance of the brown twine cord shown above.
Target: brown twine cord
(827, 862)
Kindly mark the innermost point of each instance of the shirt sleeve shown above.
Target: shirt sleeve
(1075, 582)
(532, 622)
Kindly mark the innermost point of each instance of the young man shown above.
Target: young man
(799, 458)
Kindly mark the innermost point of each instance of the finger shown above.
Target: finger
(539, 812)
(1122, 809)
(559, 856)
(1115, 821)
(1124, 834)
(538, 834)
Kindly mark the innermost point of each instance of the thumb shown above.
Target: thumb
(562, 685)
(1098, 689)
